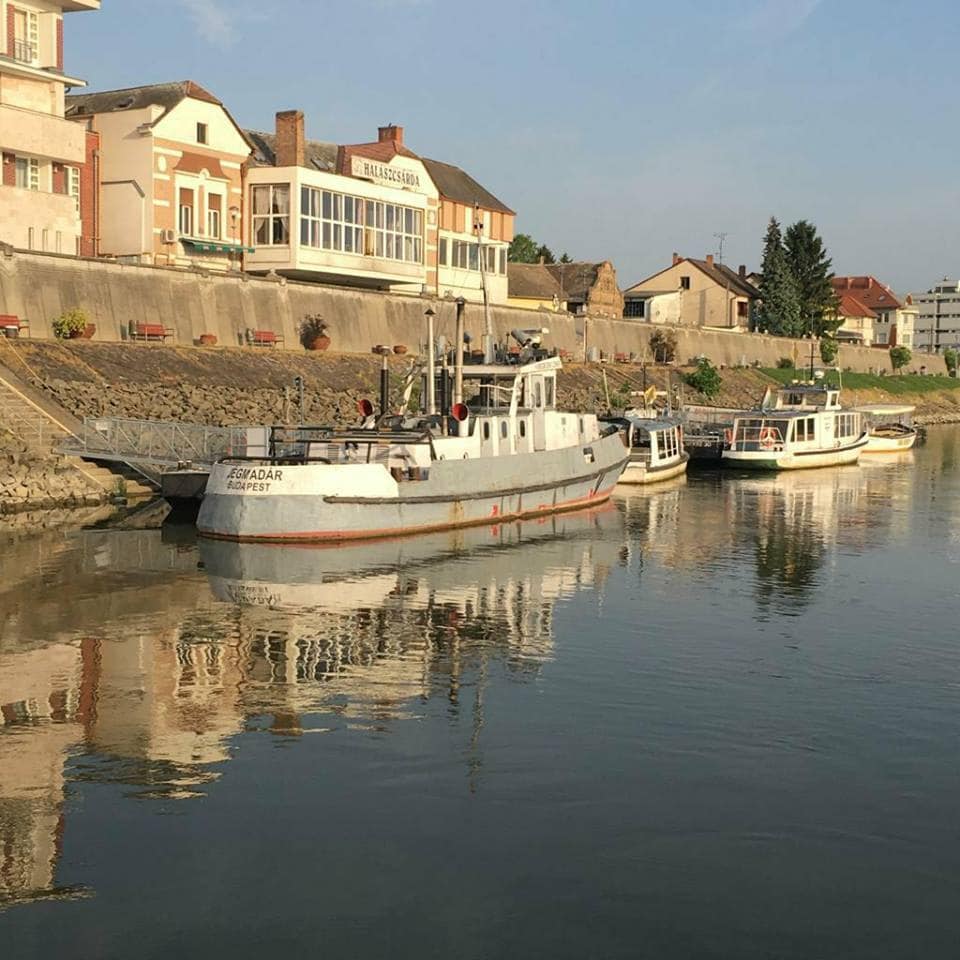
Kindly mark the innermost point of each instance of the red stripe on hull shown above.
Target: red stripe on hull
(341, 536)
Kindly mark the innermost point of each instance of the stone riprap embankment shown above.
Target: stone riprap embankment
(34, 481)
(227, 386)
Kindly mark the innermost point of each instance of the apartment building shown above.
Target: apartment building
(170, 174)
(42, 154)
(938, 317)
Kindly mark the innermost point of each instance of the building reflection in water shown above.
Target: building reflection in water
(146, 676)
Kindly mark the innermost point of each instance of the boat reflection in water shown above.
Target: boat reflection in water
(376, 627)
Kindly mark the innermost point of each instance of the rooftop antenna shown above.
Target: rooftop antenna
(721, 237)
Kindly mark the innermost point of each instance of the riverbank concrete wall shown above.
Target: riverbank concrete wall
(39, 287)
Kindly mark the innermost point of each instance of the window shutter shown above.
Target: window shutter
(60, 44)
(186, 197)
(11, 29)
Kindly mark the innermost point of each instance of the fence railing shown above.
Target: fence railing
(155, 442)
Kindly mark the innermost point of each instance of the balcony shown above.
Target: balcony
(77, 6)
(26, 52)
(41, 135)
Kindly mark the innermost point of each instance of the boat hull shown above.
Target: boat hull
(639, 473)
(804, 460)
(317, 502)
(890, 444)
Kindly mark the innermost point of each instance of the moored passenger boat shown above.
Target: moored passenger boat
(656, 446)
(805, 427)
(890, 427)
(508, 453)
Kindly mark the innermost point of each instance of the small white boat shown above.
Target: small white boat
(890, 427)
(805, 427)
(656, 449)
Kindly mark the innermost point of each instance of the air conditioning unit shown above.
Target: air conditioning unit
(169, 236)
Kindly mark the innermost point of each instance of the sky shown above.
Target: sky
(617, 130)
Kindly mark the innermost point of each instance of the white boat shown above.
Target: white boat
(805, 427)
(890, 427)
(507, 454)
(656, 448)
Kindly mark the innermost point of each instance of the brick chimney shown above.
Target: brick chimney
(742, 271)
(676, 258)
(390, 134)
(709, 259)
(291, 143)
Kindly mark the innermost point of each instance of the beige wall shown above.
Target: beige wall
(37, 288)
(41, 135)
(30, 93)
(26, 210)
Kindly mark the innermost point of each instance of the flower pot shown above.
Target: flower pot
(319, 343)
(208, 340)
(400, 349)
(85, 334)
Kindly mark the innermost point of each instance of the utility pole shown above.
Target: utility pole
(486, 340)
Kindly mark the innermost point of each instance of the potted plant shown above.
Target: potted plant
(208, 339)
(72, 324)
(400, 349)
(313, 332)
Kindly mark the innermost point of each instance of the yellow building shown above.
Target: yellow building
(171, 174)
(42, 153)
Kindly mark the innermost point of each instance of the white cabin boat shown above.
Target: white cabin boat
(805, 427)
(890, 427)
(506, 454)
(656, 448)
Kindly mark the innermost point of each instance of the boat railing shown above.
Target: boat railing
(764, 438)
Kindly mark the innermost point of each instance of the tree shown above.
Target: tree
(950, 358)
(807, 261)
(828, 349)
(565, 257)
(545, 254)
(523, 249)
(779, 313)
(900, 357)
(663, 345)
(705, 379)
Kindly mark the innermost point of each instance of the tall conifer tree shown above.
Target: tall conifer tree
(810, 266)
(779, 313)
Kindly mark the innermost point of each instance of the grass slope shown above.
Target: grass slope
(907, 383)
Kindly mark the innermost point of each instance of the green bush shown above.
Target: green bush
(950, 359)
(829, 348)
(785, 363)
(705, 379)
(70, 324)
(900, 357)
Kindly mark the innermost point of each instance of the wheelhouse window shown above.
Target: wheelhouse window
(271, 214)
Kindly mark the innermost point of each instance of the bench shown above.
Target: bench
(11, 325)
(150, 331)
(264, 338)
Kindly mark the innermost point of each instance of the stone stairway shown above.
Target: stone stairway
(42, 433)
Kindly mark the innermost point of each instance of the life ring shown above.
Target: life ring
(767, 438)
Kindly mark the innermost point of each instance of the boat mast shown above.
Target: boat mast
(431, 364)
(458, 356)
(486, 341)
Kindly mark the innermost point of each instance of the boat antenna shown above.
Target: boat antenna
(458, 355)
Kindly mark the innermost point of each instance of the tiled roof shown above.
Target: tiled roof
(869, 291)
(165, 95)
(383, 151)
(456, 184)
(319, 155)
(532, 281)
(851, 306)
(723, 276)
(575, 279)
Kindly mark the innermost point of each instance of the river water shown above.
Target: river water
(718, 719)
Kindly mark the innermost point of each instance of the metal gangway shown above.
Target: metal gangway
(153, 446)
